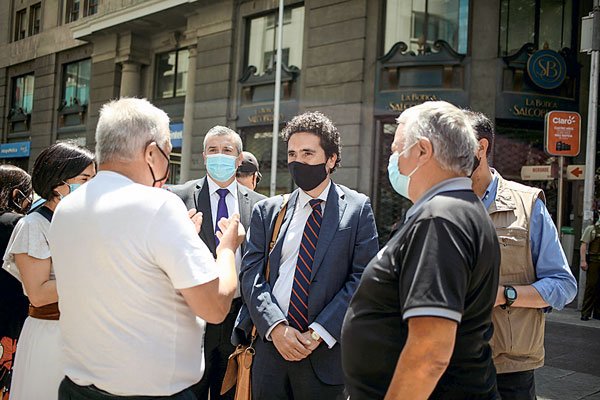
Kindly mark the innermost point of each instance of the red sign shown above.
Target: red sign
(562, 133)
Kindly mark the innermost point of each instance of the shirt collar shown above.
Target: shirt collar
(213, 187)
(490, 193)
(444, 186)
(304, 198)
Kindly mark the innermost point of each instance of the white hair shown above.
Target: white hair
(448, 129)
(219, 130)
(126, 126)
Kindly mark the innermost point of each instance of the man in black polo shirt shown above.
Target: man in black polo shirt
(419, 324)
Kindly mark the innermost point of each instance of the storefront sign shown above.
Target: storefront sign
(397, 102)
(536, 173)
(529, 107)
(576, 172)
(547, 69)
(263, 115)
(176, 134)
(562, 133)
(15, 150)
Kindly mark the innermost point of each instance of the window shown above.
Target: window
(262, 40)
(35, 19)
(20, 24)
(171, 74)
(545, 23)
(76, 83)
(72, 10)
(419, 23)
(22, 98)
(90, 7)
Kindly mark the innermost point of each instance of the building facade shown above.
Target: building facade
(361, 62)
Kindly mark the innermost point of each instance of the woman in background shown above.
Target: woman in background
(15, 199)
(57, 171)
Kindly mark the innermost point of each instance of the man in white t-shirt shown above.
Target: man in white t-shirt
(132, 273)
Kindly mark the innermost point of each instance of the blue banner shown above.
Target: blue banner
(176, 134)
(15, 150)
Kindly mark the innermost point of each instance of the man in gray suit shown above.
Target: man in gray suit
(217, 196)
(327, 237)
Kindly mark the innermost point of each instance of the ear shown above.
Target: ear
(331, 162)
(204, 157)
(15, 192)
(149, 152)
(425, 149)
(238, 160)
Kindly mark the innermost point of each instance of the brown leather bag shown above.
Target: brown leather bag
(239, 364)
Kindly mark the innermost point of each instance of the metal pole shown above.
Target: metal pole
(276, 102)
(590, 161)
(590, 155)
(561, 189)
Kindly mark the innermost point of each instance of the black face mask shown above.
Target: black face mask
(307, 176)
(476, 162)
(164, 178)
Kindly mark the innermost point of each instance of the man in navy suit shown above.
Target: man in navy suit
(327, 237)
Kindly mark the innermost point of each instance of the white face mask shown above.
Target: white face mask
(400, 182)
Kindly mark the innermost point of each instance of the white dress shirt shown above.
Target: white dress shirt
(282, 290)
(232, 208)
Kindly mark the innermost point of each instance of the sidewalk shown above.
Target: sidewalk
(571, 348)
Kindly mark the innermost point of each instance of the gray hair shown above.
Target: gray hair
(219, 130)
(447, 128)
(126, 126)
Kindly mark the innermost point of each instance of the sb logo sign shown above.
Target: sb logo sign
(547, 69)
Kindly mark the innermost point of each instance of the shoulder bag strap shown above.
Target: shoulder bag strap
(276, 229)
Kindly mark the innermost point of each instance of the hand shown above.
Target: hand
(290, 343)
(232, 233)
(500, 299)
(196, 218)
(313, 343)
(583, 266)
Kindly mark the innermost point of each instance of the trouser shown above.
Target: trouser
(217, 349)
(274, 378)
(69, 390)
(591, 298)
(516, 385)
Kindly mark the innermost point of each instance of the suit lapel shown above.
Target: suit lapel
(244, 206)
(207, 233)
(334, 210)
(275, 256)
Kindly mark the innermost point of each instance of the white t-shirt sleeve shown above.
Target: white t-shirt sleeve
(177, 248)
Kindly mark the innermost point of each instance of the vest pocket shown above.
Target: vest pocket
(515, 263)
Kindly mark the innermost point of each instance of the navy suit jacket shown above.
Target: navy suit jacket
(347, 242)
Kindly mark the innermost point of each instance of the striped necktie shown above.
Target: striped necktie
(298, 310)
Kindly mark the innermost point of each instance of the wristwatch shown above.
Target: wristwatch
(510, 294)
(315, 336)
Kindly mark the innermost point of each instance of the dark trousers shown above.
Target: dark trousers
(68, 390)
(516, 385)
(274, 378)
(591, 298)
(217, 349)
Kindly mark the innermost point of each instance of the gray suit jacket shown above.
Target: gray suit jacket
(347, 242)
(195, 195)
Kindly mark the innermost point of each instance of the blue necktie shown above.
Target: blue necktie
(298, 310)
(221, 211)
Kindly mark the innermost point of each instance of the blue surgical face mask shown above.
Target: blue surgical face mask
(220, 167)
(73, 186)
(399, 181)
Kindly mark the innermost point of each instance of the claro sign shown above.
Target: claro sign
(562, 133)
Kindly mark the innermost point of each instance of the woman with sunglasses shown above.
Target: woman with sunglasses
(57, 171)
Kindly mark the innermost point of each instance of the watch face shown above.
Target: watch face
(511, 293)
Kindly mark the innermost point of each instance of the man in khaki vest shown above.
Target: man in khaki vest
(534, 273)
(590, 244)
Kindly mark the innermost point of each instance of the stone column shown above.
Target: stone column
(130, 79)
(188, 116)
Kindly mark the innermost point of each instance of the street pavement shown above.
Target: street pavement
(572, 368)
